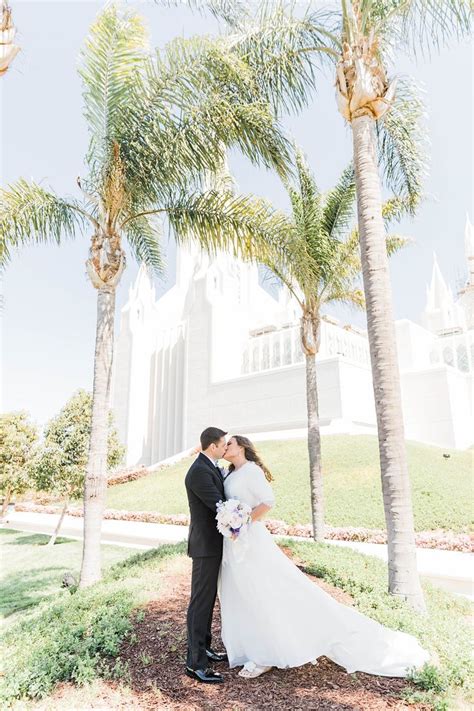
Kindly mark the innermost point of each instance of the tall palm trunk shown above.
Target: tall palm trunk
(96, 474)
(402, 570)
(309, 340)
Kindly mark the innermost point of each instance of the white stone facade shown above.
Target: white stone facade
(218, 349)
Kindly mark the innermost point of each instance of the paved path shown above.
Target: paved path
(450, 570)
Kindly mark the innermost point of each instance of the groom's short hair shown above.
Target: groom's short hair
(211, 435)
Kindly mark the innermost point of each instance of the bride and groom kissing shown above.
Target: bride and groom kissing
(272, 615)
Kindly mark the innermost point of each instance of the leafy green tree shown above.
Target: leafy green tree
(17, 438)
(158, 123)
(60, 464)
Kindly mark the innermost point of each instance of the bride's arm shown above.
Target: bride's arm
(259, 511)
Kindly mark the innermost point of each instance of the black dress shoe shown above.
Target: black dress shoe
(216, 656)
(207, 676)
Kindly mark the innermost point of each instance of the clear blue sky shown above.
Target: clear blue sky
(49, 313)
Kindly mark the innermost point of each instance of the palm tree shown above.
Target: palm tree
(8, 48)
(286, 49)
(158, 126)
(321, 265)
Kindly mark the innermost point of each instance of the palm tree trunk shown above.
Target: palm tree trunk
(96, 474)
(402, 570)
(314, 449)
(52, 540)
(310, 335)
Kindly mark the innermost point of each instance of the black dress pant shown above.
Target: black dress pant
(201, 607)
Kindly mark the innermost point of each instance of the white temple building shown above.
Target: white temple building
(218, 349)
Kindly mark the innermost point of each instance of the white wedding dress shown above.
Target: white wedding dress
(273, 615)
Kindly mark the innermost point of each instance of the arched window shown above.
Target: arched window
(255, 358)
(463, 363)
(266, 355)
(298, 351)
(287, 349)
(448, 355)
(276, 358)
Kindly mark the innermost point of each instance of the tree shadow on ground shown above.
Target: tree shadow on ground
(24, 590)
(34, 539)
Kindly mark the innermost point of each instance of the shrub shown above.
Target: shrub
(70, 637)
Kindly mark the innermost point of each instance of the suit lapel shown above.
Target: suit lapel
(212, 469)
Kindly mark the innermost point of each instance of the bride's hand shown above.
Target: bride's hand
(259, 511)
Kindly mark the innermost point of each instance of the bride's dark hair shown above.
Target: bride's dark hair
(251, 455)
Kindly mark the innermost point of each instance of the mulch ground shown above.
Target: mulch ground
(156, 654)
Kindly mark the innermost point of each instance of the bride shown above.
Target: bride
(273, 615)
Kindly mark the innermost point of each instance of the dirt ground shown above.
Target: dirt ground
(155, 654)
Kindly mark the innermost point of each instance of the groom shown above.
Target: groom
(205, 488)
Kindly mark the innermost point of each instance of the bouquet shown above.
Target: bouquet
(232, 516)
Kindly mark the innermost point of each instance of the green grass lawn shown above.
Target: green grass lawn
(442, 488)
(32, 572)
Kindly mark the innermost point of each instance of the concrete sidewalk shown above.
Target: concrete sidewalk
(451, 570)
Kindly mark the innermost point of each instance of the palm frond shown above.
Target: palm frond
(396, 242)
(31, 214)
(339, 205)
(194, 100)
(245, 225)
(350, 296)
(402, 145)
(143, 233)
(306, 202)
(285, 50)
(343, 267)
(421, 25)
(396, 208)
(111, 58)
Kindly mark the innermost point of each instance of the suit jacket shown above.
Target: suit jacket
(205, 488)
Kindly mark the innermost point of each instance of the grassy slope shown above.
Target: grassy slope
(441, 487)
(31, 572)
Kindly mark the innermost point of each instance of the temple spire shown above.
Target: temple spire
(439, 296)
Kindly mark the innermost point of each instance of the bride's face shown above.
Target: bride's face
(233, 450)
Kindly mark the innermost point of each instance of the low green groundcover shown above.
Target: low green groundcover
(69, 637)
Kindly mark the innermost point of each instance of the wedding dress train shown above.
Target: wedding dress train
(273, 615)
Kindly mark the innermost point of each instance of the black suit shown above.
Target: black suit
(205, 488)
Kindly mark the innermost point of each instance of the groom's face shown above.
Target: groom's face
(219, 448)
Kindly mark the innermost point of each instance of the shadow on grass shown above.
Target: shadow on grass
(24, 590)
(21, 538)
(37, 539)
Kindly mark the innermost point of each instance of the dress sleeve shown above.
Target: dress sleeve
(261, 488)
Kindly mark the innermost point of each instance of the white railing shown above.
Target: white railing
(282, 347)
(456, 350)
